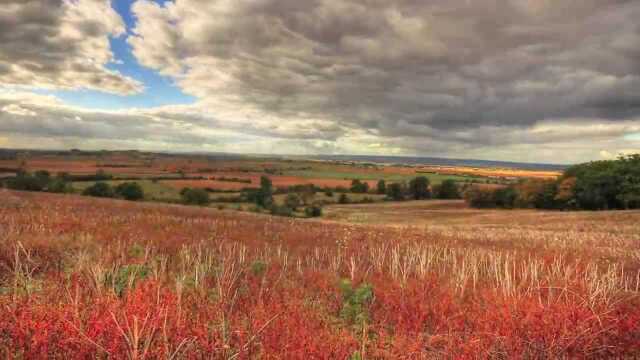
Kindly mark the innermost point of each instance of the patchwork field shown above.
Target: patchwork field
(90, 278)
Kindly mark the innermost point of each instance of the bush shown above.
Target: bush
(292, 201)
(419, 188)
(395, 192)
(359, 187)
(198, 197)
(343, 199)
(99, 189)
(313, 211)
(448, 190)
(130, 191)
(281, 210)
(480, 198)
(382, 187)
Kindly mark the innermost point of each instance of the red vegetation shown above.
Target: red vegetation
(87, 278)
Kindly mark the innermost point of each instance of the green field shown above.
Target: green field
(328, 174)
(152, 190)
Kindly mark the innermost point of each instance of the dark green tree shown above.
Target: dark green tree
(99, 189)
(381, 188)
(195, 196)
(130, 191)
(395, 191)
(419, 188)
(448, 190)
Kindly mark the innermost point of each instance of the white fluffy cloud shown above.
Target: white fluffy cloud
(60, 44)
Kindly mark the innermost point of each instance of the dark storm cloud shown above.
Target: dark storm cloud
(400, 66)
(60, 44)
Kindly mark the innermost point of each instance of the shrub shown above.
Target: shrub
(198, 197)
(130, 191)
(313, 211)
(355, 301)
(395, 192)
(359, 187)
(281, 210)
(99, 189)
(419, 188)
(480, 198)
(382, 187)
(343, 199)
(292, 201)
(448, 190)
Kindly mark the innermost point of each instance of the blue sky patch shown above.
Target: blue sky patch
(159, 90)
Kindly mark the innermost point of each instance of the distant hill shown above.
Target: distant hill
(441, 162)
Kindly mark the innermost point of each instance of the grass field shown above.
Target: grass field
(375, 176)
(99, 278)
(153, 190)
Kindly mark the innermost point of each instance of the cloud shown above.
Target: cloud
(441, 70)
(61, 44)
(555, 81)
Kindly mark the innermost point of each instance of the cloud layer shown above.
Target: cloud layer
(524, 80)
(60, 44)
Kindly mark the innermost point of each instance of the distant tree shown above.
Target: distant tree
(101, 175)
(381, 187)
(280, 210)
(306, 193)
(481, 198)
(419, 188)
(359, 187)
(343, 199)
(292, 201)
(59, 185)
(25, 181)
(395, 191)
(43, 177)
(313, 211)
(195, 196)
(130, 191)
(99, 189)
(503, 197)
(448, 190)
(264, 196)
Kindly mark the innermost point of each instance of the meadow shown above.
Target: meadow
(98, 278)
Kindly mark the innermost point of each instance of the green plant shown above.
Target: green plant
(313, 211)
(99, 189)
(130, 191)
(126, 277)
(355, 302)
(195, 196)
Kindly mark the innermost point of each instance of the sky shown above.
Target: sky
(554, 81)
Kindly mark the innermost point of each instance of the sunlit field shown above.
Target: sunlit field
(87, 278)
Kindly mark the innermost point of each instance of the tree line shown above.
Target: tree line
(596, 185)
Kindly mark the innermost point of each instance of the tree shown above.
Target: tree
(99, 189)
(359, 187)
(313, 211)
(130, 191)
(343, 199)
(419, 188)
(395, 191)
(382, 187)
(24, 181)
(264, 195)
(448, 190)
(195, 196)
(292, 201)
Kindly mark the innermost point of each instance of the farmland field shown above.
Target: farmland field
(93, 278)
